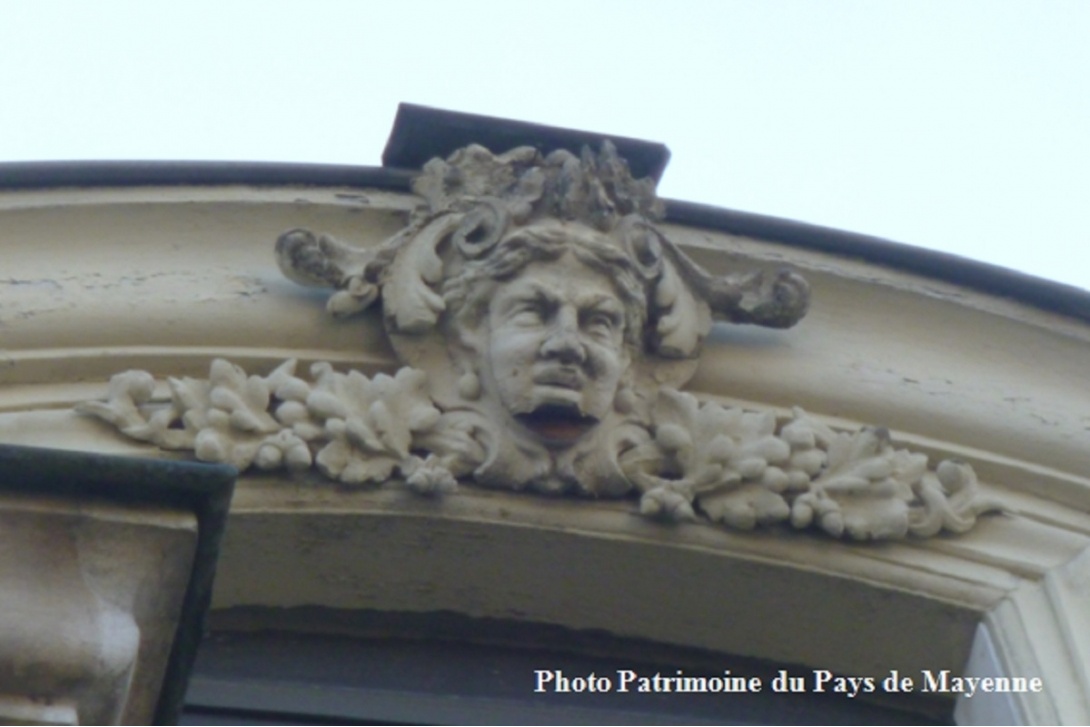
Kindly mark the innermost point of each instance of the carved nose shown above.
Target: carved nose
(563, 344)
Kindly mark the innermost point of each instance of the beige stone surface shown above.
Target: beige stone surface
(90, 603)
(543, 324)
(164, 280)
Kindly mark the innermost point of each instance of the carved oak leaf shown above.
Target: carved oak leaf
(127, 407)
(289, 446)
(865, 490)
(949, 499)
(222, 419)
(809, 441)
(370, 423)
(745, 506)
(751, 493)
(292, 411)
(230, 414)
(706, 452)
(455, 442)
(243, 399)
(668, 503)
(658, 466)
(428, 476)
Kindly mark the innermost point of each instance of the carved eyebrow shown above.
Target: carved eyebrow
(602, 302)
(537, 291)
(530, 292)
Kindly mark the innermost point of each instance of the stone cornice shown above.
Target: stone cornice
(165, 279)
(130, 176)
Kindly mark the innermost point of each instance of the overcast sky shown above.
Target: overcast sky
(960, 125)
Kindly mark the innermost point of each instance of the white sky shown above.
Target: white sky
(960, 125)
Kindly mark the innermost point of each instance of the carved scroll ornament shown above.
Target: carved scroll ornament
(546, 326)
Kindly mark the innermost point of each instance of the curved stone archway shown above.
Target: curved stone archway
(168, 278)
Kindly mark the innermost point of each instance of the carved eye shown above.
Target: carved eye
(600, 323)
(526, 317)
(530, 312)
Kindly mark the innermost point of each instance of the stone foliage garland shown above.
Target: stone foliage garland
(695, 461)
(546, 327)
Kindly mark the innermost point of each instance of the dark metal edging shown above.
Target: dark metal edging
(422, 132)
(204, 489)
(61, 174)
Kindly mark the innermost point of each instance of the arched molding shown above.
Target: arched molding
(167, 278)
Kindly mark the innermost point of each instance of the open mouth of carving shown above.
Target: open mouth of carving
(557, 424)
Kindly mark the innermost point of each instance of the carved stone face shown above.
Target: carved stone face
(556, 350)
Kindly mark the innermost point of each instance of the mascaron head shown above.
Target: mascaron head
(544, 282)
